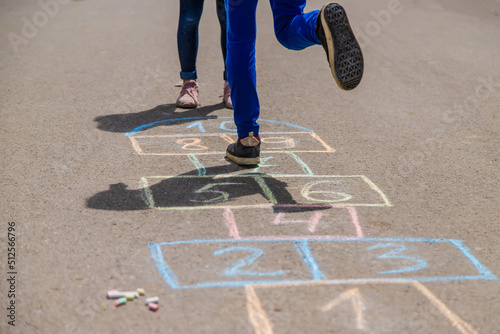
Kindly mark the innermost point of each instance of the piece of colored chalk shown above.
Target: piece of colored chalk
(111, 293)
(121, 301)
(115, 294)
(153, 307)
(152, 300)
(141, 291)
(130, 296)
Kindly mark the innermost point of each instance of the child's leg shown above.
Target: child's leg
(187, 36)
(294, 29)
(297, 30)
(221, 14)
(240, 62)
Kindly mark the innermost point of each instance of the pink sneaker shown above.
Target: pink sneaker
(188, 98)
(227, 96)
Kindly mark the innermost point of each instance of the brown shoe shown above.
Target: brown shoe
(245, 151)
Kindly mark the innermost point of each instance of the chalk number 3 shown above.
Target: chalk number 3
(396, 254)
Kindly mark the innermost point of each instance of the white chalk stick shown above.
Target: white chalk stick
(114, 294)
(152, 300)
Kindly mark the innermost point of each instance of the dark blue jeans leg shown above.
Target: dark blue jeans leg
(187, 36)
(294, 29)
(221, 14)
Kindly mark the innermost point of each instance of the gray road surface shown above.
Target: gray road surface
(374, 211)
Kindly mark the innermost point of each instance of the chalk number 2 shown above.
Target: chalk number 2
(236, 269)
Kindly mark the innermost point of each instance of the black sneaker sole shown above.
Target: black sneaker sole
(344, 53)
(243, 161)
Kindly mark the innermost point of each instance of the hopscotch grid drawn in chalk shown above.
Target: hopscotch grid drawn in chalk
(280, 219)
(193, 145)
(316, 274)
(304, 251)
(229, 135)
(455, 320)
(358, 305)
(466, 251)
(215, 143)
(202, 171)
(269, 162)
(146, 194)
(136, 146)
(305, 167)
(377, 189)
(267, 194)
(181, 120)
(273, 140)
(165, 271)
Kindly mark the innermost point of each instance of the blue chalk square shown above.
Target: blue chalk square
(375, 259)
(225, 264)
(230, 262)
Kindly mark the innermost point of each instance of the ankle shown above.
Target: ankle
(250, 135)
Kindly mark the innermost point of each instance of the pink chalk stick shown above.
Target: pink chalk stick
(153, 307)
(111, 293)
(120, 302)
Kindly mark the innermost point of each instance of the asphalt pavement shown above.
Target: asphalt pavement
(373, 211)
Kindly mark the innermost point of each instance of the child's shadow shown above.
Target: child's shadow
(130, 121)
(193, 190)
(199, 188)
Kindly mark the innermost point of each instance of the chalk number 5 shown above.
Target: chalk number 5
(223, 196)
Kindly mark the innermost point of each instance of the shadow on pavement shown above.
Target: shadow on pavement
(130, 121)
(192, 189)
(198, 188)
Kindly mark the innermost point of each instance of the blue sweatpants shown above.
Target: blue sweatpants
(294, 29)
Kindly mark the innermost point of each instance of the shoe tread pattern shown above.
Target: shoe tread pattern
(348, 56)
